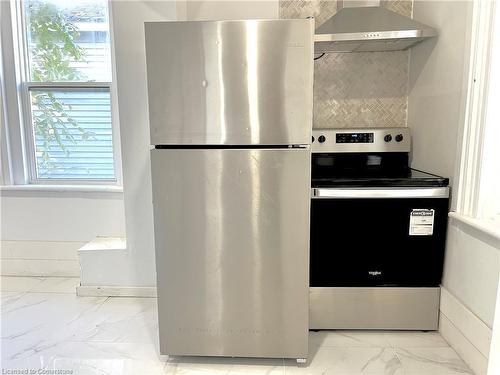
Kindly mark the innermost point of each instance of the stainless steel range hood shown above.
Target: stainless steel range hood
(372, 28)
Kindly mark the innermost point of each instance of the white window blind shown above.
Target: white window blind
(74, 142)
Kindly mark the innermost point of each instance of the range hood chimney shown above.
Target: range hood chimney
(362, 26)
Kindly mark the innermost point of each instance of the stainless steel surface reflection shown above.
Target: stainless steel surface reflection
(232, 240)
(375, 308)
(230, 82)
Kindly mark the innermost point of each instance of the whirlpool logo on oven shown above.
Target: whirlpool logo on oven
(375, 273)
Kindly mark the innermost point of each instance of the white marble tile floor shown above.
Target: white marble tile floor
(46, 327)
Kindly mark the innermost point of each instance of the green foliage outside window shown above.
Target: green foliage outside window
(53, 47)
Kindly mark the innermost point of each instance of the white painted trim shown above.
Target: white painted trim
(485, 227)
(465, 332)
(5, 162)
(70, 86)
(115, 116)
(473, 328)
(11, 96)
(62, 188)
(472, 137)
(116, 291)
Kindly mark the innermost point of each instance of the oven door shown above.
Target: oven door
(378, 237)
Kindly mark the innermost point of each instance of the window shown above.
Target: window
(64, 82)
(489, 186)
(479, 180)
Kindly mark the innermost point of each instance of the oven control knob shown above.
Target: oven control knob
(312, 139)
(388, 138)
(321, 139)
(399, 138)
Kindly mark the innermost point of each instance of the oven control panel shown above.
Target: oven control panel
(361, 140)
(354, 138)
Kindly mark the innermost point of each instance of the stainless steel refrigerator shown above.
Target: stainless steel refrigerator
(230, 109)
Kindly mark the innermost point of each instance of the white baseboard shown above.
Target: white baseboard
(465, 332)
(40, 258)
(468, 352)
(116, 291)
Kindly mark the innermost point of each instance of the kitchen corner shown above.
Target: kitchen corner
(274, 186)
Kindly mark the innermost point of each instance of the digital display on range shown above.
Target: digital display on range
(354, 138)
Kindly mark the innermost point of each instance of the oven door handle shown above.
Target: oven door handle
(340, 193)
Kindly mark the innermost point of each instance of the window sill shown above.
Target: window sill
(64, 188)
(484, 227)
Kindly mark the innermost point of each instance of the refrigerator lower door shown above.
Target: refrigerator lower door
(232, 251)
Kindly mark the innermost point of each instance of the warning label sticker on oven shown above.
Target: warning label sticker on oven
(421, 222)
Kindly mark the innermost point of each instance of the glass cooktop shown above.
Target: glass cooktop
(411, 178)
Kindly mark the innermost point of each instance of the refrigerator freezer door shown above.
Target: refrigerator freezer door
(232, 251)
(230, 82)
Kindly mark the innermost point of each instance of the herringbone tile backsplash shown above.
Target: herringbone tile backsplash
(356, 89)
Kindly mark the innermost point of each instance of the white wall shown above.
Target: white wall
(472, 269)
(220, 10)
(437, 75)
(61, 216)
(436, 113)
(42, 231)
(471, 276)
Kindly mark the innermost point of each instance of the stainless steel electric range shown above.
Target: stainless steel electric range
(378, 233)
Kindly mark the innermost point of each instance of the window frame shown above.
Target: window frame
(19, 127)
(470, 150)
